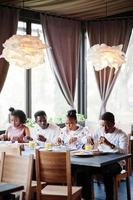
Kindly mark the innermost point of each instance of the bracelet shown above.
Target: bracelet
(112, 146)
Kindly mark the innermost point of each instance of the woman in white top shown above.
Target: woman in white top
(73, 133)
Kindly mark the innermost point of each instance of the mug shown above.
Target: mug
(47, 145)
(88, 147)
(32, 144)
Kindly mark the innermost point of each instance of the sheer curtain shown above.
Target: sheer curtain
(8, 27)
(63, 37)
(113, 32)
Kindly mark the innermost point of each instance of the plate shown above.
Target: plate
(88, 153)
(105, 148)
(82, 153)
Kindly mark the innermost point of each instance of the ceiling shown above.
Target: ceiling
(76, 9)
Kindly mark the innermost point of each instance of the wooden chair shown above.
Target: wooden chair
(17, 169)
(10, 149)
(54, 168)
(125, 174)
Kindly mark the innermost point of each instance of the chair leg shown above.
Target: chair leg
(115, 189)
(128, 188)
(92, 190)
(79, 197)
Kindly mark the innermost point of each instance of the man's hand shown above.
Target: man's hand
(58, 141)
(103, 140)
(41, 138)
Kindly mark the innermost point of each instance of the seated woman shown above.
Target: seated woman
(17, 131)
(73, 133)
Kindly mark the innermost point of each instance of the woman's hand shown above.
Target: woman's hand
(27, 138)
(90, 140)
(72, 140)
(17, 139)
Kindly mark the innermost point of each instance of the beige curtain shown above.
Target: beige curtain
(112, 32)
(8, 27)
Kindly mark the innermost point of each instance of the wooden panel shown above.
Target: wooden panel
(79, 9)
(17, 169)
(52, 167)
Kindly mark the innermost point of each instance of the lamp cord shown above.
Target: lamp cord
(106, 8)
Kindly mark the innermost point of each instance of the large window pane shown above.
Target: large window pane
(93, 96)
(121, 99)
(13, 92)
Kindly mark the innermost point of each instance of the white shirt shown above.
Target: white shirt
(51, 133)
(118, 138)
(81, 134)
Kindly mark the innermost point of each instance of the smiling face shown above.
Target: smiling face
(42, 121)
(107, 127)
(71, 123)
(15, 121)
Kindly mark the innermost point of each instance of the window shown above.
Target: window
(13, 92)
(46, 94)
(121, 98)
(93, 96)
(120, 101)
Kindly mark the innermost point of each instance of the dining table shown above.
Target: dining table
(90, 159)
(7, 188)
(102, 159)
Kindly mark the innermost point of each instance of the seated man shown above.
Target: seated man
(106, 138)
(44, 131)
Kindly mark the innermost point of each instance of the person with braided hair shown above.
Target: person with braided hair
(17, 131)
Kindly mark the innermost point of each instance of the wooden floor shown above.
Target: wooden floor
(100, 195)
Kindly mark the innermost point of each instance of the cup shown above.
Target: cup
(32, 144)
(88, 147)
(47, 145)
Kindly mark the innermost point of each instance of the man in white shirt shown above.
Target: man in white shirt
(44, 131)
(106, 138)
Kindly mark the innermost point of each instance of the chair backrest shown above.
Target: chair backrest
(53, 168)
(17, 169)
(129, 161)
(10, 149)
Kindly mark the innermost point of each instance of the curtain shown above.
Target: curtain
(8, 27)
(113, 32)
(63, 37)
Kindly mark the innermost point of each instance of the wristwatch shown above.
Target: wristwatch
(112, 146)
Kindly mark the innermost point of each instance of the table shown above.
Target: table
(99, 160)
(92, 161)
(7, 188)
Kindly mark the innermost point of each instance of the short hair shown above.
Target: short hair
(108, 116)
(18, 113)
(72, 114)
(40, 113)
